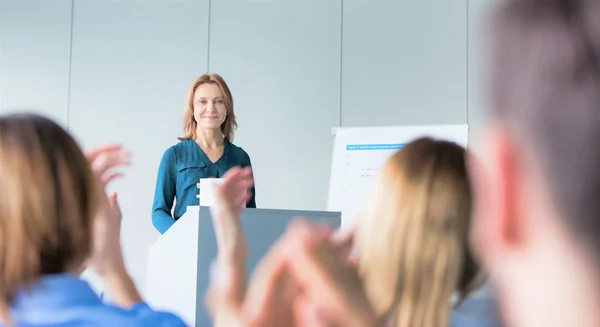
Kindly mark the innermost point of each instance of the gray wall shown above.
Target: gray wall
(118, 71)
(478, 14)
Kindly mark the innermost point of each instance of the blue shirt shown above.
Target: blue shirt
(181, 168)
(67, 301)
(478, 310)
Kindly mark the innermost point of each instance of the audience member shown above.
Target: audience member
(55, 217)
(537, 226)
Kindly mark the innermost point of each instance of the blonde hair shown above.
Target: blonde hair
(47, 202)
(412, 235)
(189, 122)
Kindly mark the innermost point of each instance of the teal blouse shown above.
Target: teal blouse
(181, 167)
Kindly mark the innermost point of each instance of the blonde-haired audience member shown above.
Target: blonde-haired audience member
(412, 237)
(55, 219)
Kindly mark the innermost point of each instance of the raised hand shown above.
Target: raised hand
(331, 292)
(304, 280)
(269, 300)
(344, 239)
(230, 199)
(272, 296)
(232, 194)
(222, 299)
(106, 250)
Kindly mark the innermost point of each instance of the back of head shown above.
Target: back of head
(47, 198)
(412, 235)
(545, 87)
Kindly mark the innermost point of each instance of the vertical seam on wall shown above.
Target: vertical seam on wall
(467, 66)
(208, 37)
(341, 56)
(1, 65)
(69, 66)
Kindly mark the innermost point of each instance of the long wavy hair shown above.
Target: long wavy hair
(412, 235)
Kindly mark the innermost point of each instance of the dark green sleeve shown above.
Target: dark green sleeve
(252, 201)
(164, 193)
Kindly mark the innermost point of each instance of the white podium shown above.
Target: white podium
(179, 262)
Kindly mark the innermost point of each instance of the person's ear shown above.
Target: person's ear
(496, 178)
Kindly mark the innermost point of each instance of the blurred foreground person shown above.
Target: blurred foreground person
(55, 219)
(537, 226)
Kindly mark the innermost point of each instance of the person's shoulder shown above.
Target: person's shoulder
(239, 152)
(179, 149)
(183, 145)
(149, 317)
(139, 315)
(237, 149)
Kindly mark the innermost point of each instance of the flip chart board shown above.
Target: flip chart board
(360, 152)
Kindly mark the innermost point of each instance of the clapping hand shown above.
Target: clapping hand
(331, 288)
(106, 251)
(230, 199)
(304, 280)
(344, 239)
(234, 192)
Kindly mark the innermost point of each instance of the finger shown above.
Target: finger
(306, 313)
(109, 177)
(241, 200)
(344, 240)
(314, 256)
(114, 203)
(304, 233)
(235, 175)
(112, 199)
(104, 148)
(238, 185)
(222, 280)
(210, 302)
(246, 171)
(250, 181)
(222, 298)
(106, 161)
(238, 193)
(237, 178)
(230, 181)
(267, 277)
(353, 261)
(344, 236)
(212, 293)
(91, 155)
(322, 229)
(231, 175)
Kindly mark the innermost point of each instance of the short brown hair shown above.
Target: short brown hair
(189, 122)
(47, 203)
(412, 238)
(545, 85)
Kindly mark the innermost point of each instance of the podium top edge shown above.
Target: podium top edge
(287, 212)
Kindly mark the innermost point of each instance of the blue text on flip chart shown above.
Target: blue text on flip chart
(359, 147)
